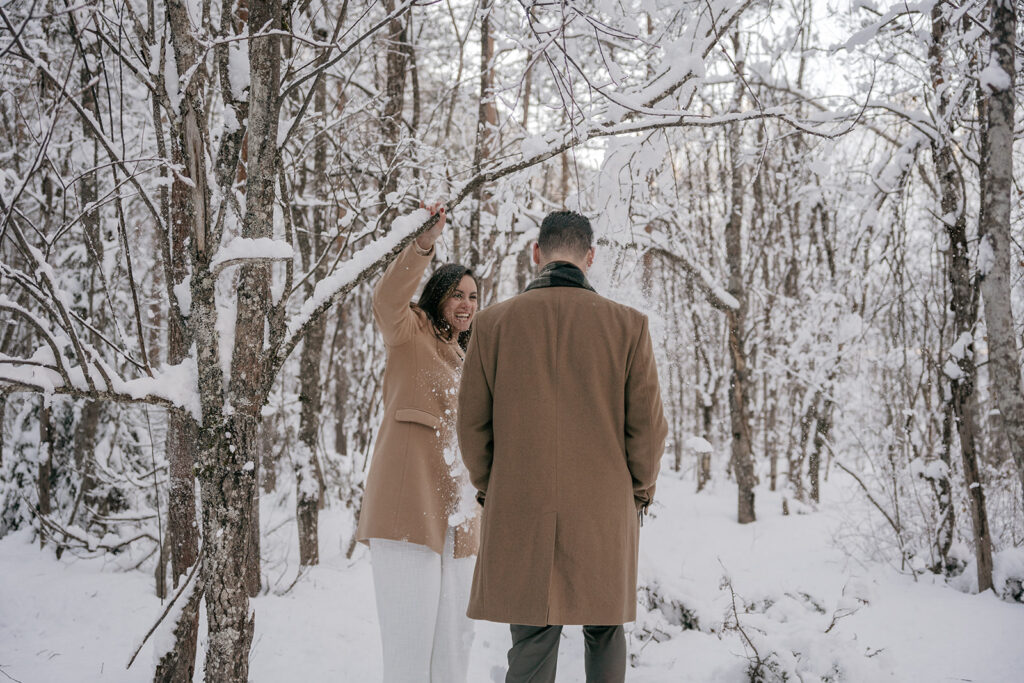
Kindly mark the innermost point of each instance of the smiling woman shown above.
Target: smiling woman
(418, 515)
(449, 300)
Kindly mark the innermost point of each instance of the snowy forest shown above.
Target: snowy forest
(814, 202)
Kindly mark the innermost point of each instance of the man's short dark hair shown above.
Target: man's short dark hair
(565, 232)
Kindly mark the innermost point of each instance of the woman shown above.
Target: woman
(418, 514)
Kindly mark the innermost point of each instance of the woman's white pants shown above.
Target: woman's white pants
(421, 604)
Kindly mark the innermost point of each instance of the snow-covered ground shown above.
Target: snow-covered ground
(810, 610)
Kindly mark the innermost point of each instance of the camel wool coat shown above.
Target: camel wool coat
(413, 490)
(561, 427)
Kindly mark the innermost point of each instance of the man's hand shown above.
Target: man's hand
(426, 239)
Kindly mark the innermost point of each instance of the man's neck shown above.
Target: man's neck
(564, 259)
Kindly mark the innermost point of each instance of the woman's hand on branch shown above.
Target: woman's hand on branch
(425, 240)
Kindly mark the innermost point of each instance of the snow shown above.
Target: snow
(230, 121)
(171, 83)
(246, 248)
(663, 242)
(534, 145)
(326, 289)
(183, 294)
(698, 444)
(178, 384)
(986, 256)
(80, 619)
(994, 78)
(952, 370)
(932, 469)
(959, 348)
(238, 69)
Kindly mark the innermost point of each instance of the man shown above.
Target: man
(561, 428)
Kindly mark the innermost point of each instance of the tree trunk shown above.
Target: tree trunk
(182, 530)
(341, 382)
(248, 385)
(226, 497)
(705, 403)
(944, 493)
(739, 388)
(391, 119)
(189, 236)
(487, 119)
(769, 441)
(229, 442)
(44, 468)
(85, 446)
(796, 473)
(961, 368)
(304, 459)
(308, 479)
(822, 428)
(253, 581)
(4, 395)
(994, 231)
(179, 664)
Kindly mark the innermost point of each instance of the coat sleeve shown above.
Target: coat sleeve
(393, 292)
(474, 421)
(646, 427)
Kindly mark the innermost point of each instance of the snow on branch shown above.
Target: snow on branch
(716, 295)
(175, 386)
(361, 267)
(248, 250)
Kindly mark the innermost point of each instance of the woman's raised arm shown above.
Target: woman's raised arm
(395, 289)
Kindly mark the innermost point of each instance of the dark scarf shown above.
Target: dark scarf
(560, 274)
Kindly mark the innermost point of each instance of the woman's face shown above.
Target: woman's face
(458, 309)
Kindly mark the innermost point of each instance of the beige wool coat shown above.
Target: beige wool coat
(413, 491)
(561, 428)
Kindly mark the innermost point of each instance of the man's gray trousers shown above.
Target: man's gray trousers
(534, 654)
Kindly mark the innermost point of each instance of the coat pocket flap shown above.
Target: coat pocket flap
(418, 416)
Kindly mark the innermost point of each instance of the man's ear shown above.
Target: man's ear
(590, 256)
(536, 253)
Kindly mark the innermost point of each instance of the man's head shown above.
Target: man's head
(565, 236)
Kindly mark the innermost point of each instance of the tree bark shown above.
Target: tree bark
(229, 442)
(961, 367)
(822, 428)
(396, 61)
(944, 493)
(994, 230)
(189, 237)
(304, 460)
(182, 529)
(226, 496)
(4, 395)
(308, 479)
(44, 468)
(739, 388)
(248, 364)
(487, 119)
(705, 403)
(179, 664)
(341, 386)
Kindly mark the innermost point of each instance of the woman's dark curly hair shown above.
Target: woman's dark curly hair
(439, 288)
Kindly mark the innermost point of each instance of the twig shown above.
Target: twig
(303, 570)
(871, 499)
(184, 586)
(739, 626)
(9, 676)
